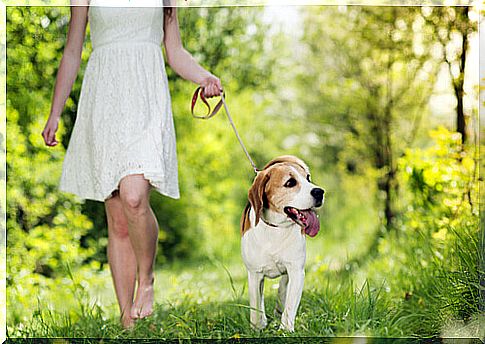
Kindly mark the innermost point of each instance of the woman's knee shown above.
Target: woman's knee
(119, 227)
(117, 221)
(134, 193)
(133, 201)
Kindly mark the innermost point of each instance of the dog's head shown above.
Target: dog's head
(284, 186)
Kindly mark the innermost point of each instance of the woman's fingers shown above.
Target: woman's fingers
(49, 136)
(49, 140)
(207, 91)
(210, 90)
(218, 85)
(214, 90)
(45, 135)
(212, 87)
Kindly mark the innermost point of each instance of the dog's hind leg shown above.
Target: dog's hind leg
(256, 300)
(280, 304)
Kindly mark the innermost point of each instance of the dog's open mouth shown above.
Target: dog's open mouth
(308, 219)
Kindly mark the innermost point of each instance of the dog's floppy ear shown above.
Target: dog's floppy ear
(256, 193)
(245, 223)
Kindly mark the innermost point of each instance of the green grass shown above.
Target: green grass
(209, 300)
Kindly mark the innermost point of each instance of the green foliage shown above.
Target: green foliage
(229, 42)
(36, 38)
(369, 103)
(431, 265)
(376, 84)
(44, 227)
(443, 181)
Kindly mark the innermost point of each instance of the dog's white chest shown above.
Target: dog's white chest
(272, 251)
(273, 269)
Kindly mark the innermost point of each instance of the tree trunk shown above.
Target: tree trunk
(388, 207)
(459, 81)
(460, 115)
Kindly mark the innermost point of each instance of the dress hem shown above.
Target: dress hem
(151, 178)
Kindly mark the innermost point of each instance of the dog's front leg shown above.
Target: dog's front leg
(293, 297)
(256, 300)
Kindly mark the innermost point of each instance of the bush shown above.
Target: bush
(431, 262)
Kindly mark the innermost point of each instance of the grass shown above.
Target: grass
(209, 300)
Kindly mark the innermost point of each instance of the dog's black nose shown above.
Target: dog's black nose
(317, 193)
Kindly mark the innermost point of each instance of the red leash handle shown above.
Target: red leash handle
(200, 90)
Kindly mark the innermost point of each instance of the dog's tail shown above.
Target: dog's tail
(245, 223)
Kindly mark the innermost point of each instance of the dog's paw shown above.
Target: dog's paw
(287, 323)
(260, 325)
(264, 322)
(286, 328)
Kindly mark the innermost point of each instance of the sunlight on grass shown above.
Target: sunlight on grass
(210, 301)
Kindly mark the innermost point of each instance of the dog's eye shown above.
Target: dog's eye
(290, 183)
(308, 178)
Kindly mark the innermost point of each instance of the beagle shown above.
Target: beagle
(278, 216)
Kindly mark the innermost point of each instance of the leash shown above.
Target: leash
(212, 113)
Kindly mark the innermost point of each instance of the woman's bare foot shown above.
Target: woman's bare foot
(127, 322)
(143, 305)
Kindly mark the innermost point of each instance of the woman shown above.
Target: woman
(123, 141)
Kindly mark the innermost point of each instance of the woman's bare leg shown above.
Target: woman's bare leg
(143, 232)
(121, 258)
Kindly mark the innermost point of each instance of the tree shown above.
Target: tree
(371, 75)
(452, 28)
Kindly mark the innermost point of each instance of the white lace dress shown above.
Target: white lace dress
(124, 121)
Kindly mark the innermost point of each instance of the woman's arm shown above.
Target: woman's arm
(69, 66)
(182, 62)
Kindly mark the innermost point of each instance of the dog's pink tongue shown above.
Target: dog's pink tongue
(313, 225)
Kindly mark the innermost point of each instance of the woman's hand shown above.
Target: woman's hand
(212, 86)
(49, 132)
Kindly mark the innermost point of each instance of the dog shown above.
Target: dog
(278, 216)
